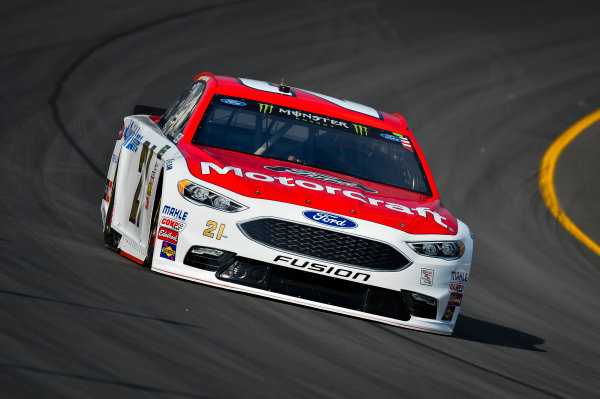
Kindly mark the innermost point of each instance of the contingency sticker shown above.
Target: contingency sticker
(426, 276)
(168, 235)
(172, 224)
(456, 287)
(174, 212)
(455, 299)
(168, 250)
(459, 276)
(448, 313)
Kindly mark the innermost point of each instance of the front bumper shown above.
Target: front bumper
(385, 296)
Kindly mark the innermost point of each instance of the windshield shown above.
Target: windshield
(287, 134)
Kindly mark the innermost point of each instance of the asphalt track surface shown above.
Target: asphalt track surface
(486, 87)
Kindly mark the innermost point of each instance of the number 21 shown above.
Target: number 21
(212, 226)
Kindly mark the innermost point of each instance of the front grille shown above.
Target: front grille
(315, 287)
(324, 244)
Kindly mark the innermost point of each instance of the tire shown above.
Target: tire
(111, 237)
(153, 226)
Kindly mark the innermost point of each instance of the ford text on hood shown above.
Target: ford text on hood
(292, 195)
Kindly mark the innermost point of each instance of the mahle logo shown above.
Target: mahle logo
(360, 129)
(265, 108)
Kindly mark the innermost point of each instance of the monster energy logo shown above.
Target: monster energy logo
(360, 129)
(265, 108)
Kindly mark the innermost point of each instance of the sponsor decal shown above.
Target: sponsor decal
(455, 299)
(398, 138)
(264, 108)
(133, 142)
(319, 176)
(169, 164)
(448, 313)
(168, 250)
(329, 219)
(147, 202)
(313, 118)
(456, 287)
(172, 224)
(460, 277)
(177, 138)
(310, 117)
(208, 167)
(317, 267)
(151, 182)
(391, 137)
(174, 212)
(168, 235)
(131, 129)
(162, 151)
(360, 129)
(114, 158)
(231, 101)
(427, 277)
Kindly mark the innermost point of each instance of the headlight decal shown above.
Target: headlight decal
(200, 195)
(442, 249)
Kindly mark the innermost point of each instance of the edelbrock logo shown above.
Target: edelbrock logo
(329, 219)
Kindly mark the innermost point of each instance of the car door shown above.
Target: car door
(145, 145)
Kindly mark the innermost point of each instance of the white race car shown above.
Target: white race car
(289, 194)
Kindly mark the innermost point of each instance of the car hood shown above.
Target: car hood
(317, 189)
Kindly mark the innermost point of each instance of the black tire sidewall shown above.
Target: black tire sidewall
(152, 234)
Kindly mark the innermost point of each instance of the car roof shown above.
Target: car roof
(309, 101)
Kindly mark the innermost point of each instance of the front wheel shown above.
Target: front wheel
(111, 237)
(152, 234)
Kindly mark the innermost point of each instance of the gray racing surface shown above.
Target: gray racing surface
(485, 86)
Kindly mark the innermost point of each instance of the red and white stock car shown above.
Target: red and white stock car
(285, 193)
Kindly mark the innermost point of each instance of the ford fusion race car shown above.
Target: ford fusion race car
(288, 194)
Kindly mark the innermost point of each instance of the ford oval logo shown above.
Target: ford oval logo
(233, 102)
(329, 219)
(390, 137)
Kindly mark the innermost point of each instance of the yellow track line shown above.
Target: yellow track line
(546, 179)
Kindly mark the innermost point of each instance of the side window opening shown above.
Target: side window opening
(175, 119)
